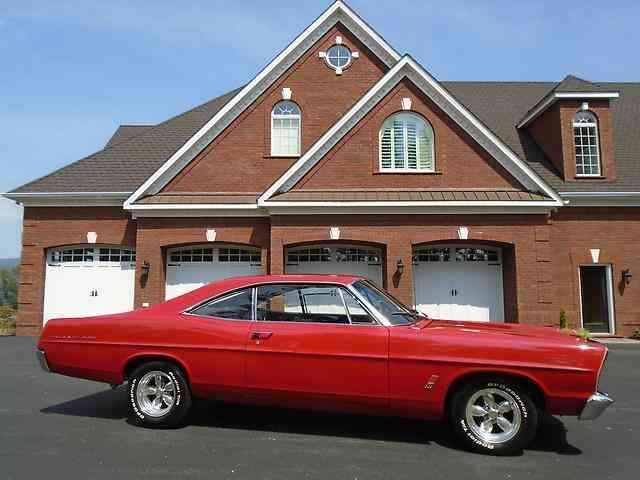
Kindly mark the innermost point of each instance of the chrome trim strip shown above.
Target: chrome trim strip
(42, 360)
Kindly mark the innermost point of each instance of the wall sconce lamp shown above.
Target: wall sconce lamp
(146, 267)
(626, 276)
(400, 267)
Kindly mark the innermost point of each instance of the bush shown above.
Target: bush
(636, 334)
(6, 312)
(564, 321)
(7, 326)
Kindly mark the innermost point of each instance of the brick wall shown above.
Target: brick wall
(459, 161)
(397, 234)
(156, 235)
(541, 256)
(240, 158)
(553, 132)
(615, 231)
(44, 228)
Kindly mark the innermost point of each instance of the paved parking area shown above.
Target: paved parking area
(57, 427)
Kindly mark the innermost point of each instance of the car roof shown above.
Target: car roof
(220, 287)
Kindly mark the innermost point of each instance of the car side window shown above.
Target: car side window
(235, 306)
(301, 303)
(357, 313)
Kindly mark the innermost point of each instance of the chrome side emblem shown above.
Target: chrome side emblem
(431, 382)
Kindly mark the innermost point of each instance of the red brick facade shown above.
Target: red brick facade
(553, 131)
(541, 256)
(460, 163)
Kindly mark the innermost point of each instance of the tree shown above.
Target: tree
(9, 288)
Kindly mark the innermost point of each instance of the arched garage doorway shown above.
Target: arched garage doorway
(459, 282)
(191, 267)
(87, 280)
(345, 259)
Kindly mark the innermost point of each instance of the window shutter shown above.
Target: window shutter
(412, 147)
(425, 143)
(385, 148)
(398, 143)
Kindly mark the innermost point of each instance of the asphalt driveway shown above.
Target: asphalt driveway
(57, 427)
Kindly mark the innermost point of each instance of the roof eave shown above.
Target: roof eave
(61, 199)
(553, 97)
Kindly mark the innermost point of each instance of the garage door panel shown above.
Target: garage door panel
(336, 260)
(459, 282)
(87, 281)
(189, 268)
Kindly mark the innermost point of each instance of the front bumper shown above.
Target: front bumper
(596, 404)
(42, 360)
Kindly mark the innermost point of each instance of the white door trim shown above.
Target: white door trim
(610, 292)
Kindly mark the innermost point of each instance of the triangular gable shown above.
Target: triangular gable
(337, 12)
(409, 68)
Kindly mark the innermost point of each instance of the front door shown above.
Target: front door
(313, 346)
(596, 295)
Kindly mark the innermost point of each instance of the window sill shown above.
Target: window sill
(281, 156)
(589, 177)
(406, 172)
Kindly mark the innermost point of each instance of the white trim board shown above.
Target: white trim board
(337, 12)
(594, 199)
(407, 67)
(555, 96)
(63, 199)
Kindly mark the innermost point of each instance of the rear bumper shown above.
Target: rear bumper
(42, 360)
(596, 404)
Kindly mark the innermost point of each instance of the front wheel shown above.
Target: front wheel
(159, 395)
(494, 416)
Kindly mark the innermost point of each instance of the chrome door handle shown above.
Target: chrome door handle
(261, 335)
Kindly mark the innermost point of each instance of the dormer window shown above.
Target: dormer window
(587, 144)
(285, 129)
(406, 144)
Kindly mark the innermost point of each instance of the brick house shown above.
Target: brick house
(486, 201)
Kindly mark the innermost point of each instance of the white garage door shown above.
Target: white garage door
(192, 267)
(336, 259)
(459, 282)
(86, 281)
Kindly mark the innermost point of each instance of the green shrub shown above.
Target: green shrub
(564, 321)
(6, 312)
(636, 334)
(7, 326)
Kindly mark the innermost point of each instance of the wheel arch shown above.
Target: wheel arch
(136, 360)
(530, 384)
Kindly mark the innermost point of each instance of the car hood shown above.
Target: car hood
(510, 329)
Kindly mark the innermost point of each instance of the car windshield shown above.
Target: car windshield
(392, 309)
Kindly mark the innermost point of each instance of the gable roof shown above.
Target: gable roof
(571, 87)
(338, 12)
(123, 166)
(500, 104)
(407, 67)
(126, 132)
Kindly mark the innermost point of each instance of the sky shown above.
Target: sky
(71, 71)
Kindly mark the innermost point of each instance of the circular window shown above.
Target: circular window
(338, 56)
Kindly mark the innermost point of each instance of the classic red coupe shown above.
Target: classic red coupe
(333, 343)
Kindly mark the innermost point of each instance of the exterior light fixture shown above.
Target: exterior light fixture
(400, 267)
(146, 267)
(626, 276)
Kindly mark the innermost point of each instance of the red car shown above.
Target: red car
(332, 343)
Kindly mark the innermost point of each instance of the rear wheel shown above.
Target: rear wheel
(496, 417)
(159, 395)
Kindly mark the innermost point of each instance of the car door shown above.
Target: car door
(220, 327)
(314, 346)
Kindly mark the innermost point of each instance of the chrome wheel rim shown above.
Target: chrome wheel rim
(156, 393)
(493, 415)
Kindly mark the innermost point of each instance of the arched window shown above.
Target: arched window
(587, 144)
(406, 144)
(285, 129)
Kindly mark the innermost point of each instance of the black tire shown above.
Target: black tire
(165, 415)
(523, 413)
